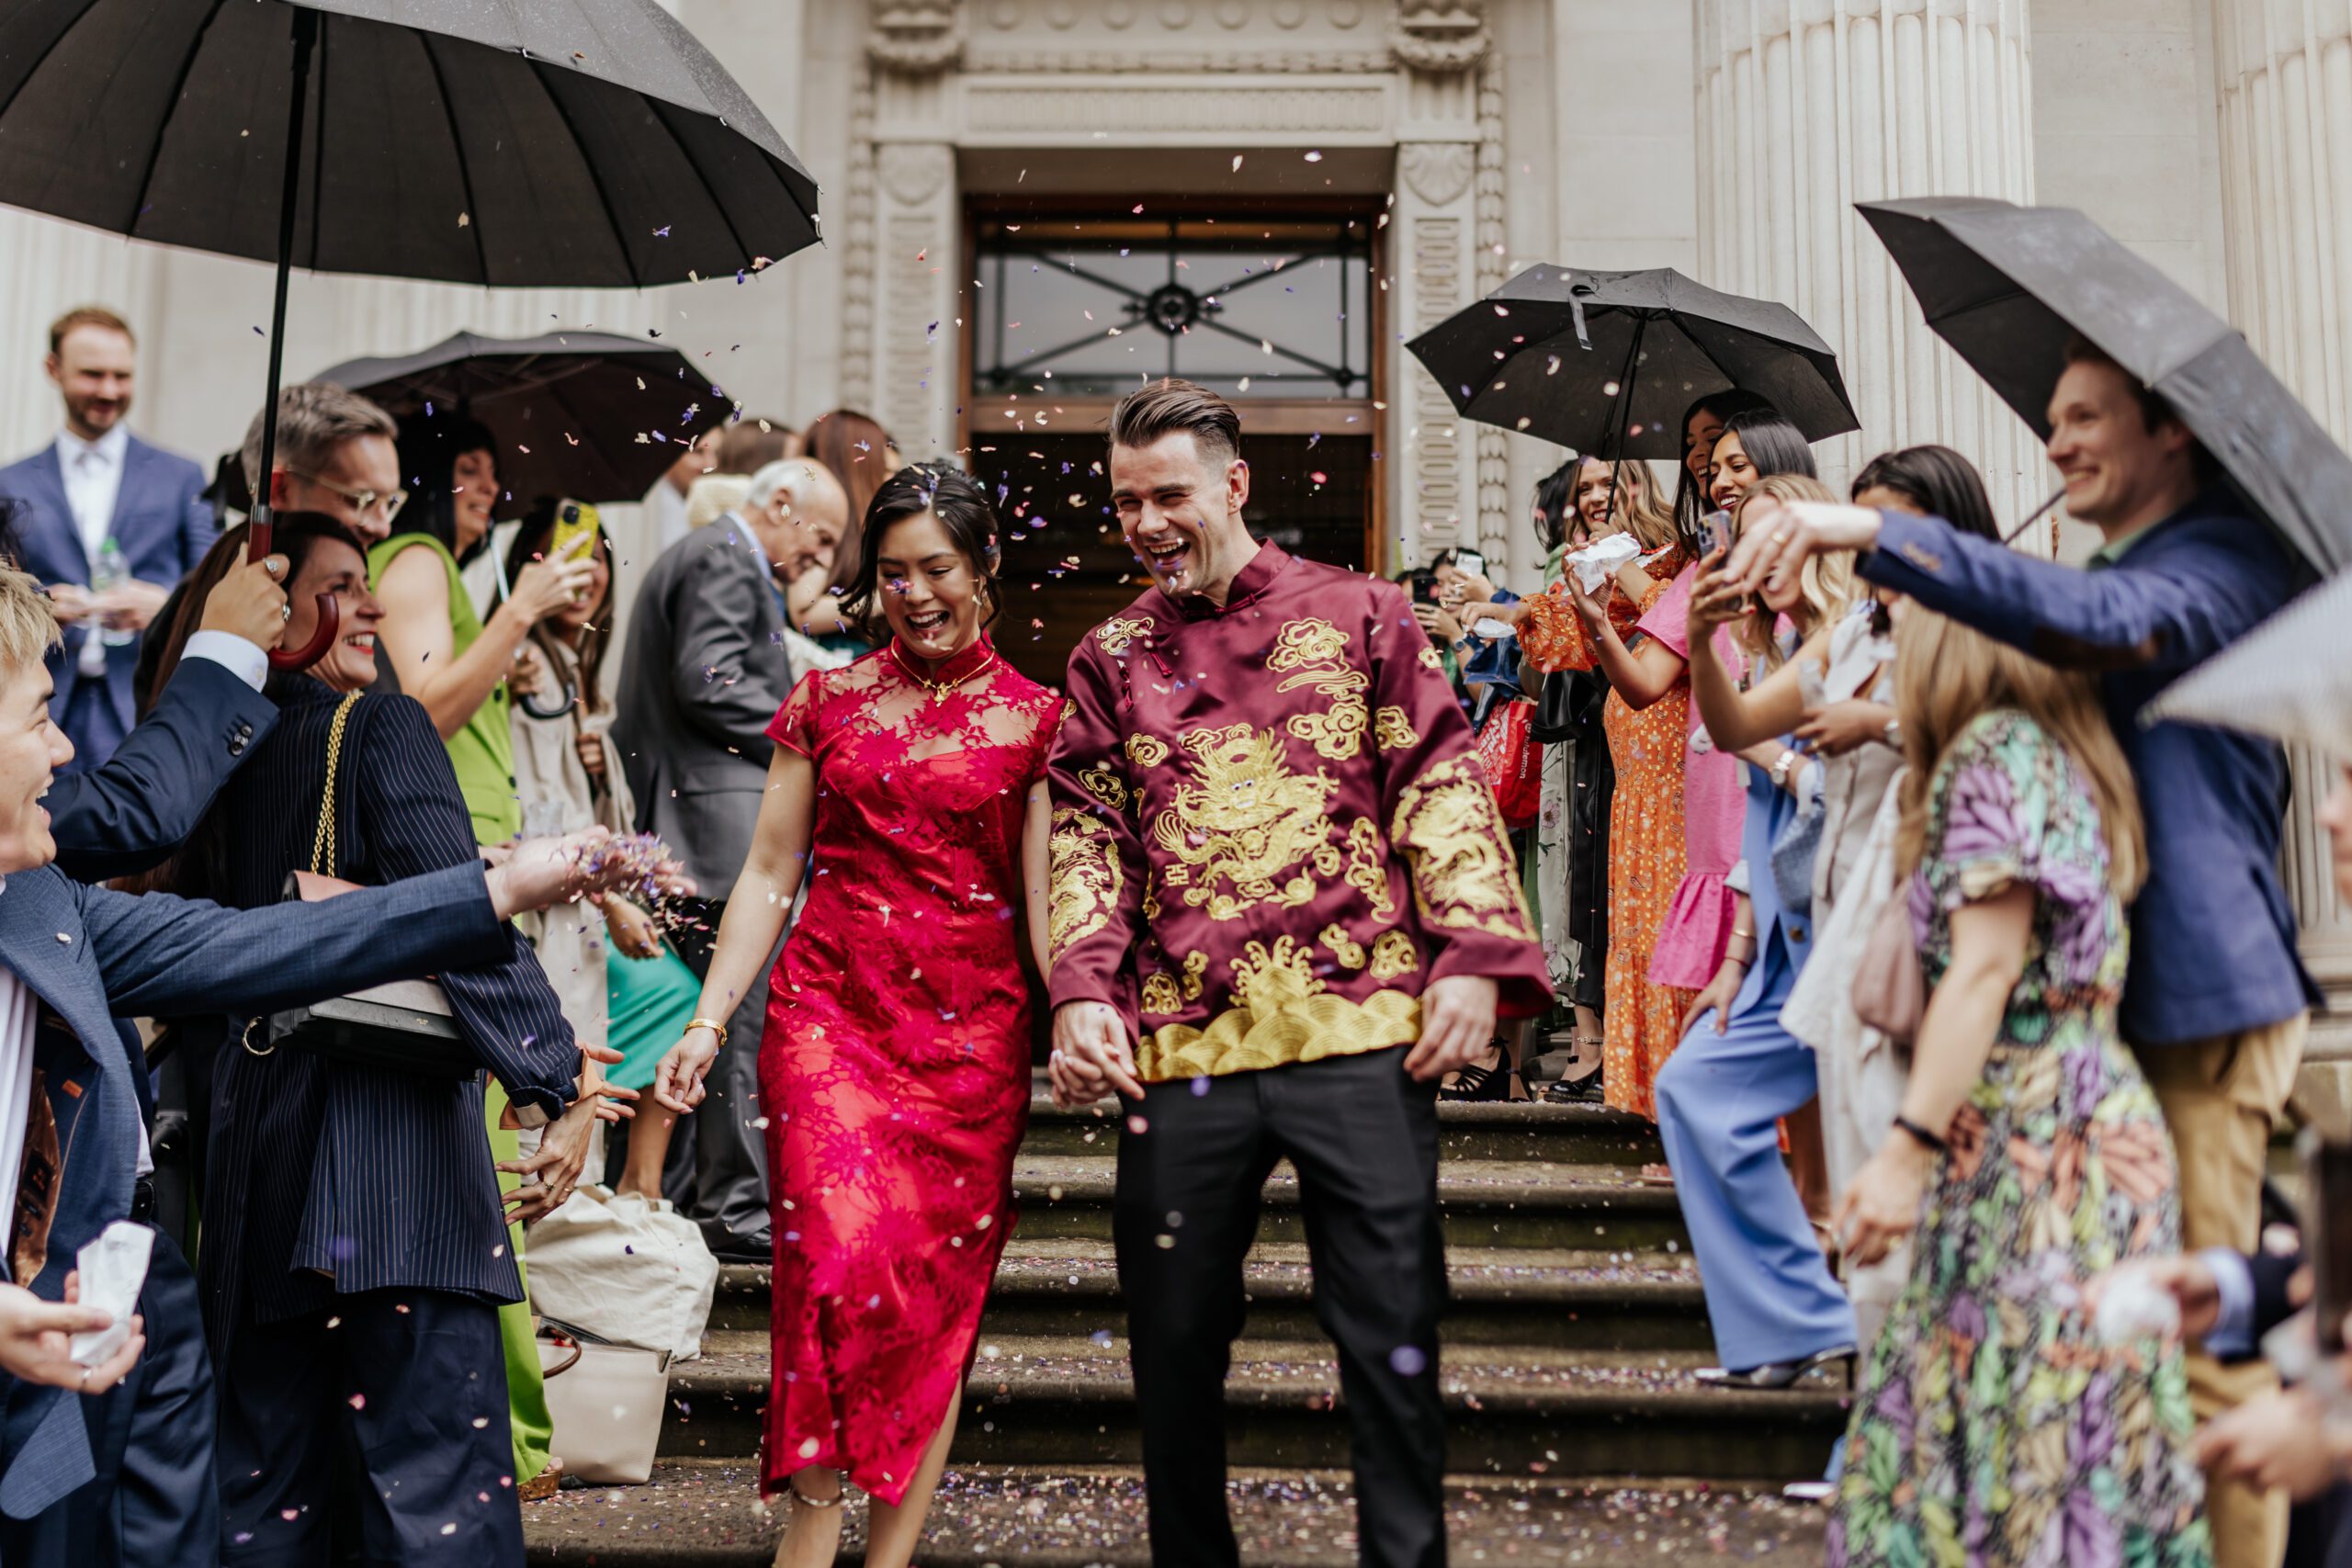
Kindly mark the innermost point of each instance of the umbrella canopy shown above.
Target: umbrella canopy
(510, 143)
(2007, 286)
(2291, 678)
(1606, 363)
(591, 416)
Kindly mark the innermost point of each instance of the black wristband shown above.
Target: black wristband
(1921, 1135)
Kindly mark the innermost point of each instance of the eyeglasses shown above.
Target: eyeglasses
(360, 500)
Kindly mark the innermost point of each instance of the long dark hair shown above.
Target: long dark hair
(197, 869)
(530, 542)
(430, 445)
(961, 508)
(1690, 502)
(1773, 444)
(856, 450)
(294, 535)
(1936, 479)
(1555, 497)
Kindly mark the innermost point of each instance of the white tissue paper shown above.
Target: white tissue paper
(1595, 564)
(2132, 1306)
(114, 1271)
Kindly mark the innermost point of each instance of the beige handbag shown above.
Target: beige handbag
(1890, 991)
(606, 1402)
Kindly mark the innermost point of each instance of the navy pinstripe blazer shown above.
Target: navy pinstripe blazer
(323, 1178)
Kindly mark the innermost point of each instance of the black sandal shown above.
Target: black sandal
(1476, 1084)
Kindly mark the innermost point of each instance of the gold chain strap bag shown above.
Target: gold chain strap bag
(405, 1025)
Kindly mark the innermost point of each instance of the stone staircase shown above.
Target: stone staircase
(1576, 1431)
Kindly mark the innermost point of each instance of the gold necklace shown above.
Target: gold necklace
(939, 689)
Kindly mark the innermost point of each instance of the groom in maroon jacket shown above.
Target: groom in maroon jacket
(1283, 904)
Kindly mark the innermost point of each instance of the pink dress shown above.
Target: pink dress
(1697, 920)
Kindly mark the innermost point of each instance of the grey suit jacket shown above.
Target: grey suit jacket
(703, 675)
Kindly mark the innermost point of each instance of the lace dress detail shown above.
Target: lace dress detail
(894, 1073)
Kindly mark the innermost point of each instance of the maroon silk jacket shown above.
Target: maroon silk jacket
(1271, 832)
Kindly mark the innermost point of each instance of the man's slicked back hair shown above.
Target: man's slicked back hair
(1169, 405)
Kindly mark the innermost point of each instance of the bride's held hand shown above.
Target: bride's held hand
(677, 1081)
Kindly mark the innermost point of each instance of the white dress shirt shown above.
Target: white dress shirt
(92, 472)
(16, 1086)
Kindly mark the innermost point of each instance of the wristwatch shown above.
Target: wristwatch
(1781, 765)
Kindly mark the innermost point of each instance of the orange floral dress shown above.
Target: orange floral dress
(1642, 1022)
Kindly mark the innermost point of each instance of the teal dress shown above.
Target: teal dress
(1991, 1425)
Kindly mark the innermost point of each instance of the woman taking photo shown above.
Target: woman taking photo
(1774, 1306)
(894, 1072)
(1647, 720)
(1702, 424)
(2029, 1154)
(354, 1251)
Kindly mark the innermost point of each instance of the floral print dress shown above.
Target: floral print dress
(1991, 1425)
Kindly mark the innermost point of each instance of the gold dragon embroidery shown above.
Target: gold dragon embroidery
(1392, 731)
(1392, 955)
(1086, 880)
(1244, 822)
(1117, 634)
(1309, 652)
(1463, 876)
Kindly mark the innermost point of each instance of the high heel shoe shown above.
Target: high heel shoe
(1480, 1084)
(1774, 1375)
(1581, 1090)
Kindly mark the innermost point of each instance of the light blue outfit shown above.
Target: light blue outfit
(1770, 1296)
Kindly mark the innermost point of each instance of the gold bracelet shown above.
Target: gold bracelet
(1737, 931)
(710, 1023)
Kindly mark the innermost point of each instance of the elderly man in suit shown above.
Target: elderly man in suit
(73, 958)
(113, 523)
(704, 673)
(2216, 1001)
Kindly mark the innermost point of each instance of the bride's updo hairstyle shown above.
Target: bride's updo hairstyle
(962, 507)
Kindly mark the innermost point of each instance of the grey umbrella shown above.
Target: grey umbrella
(591, 416)
(1606, 363)
(558, 142)
(2007, 286)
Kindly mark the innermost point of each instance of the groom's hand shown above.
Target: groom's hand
(1457, 1020)
(1091, 1056)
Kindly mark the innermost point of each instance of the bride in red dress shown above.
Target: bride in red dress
(894, 1073)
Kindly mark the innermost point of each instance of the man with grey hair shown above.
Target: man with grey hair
(337, 452)
(703, 674)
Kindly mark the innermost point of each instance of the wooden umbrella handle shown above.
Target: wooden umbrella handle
(257, 542)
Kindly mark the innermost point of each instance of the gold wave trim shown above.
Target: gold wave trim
(1302, 1029)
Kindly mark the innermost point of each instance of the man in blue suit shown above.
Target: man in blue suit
(71, 959)
(111, 524)
(2215, 1004)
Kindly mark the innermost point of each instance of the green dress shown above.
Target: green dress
(482, 752)
(1992, 1424)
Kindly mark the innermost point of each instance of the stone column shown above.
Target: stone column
(2284, 75)
(52, 267)
(1435, 242)
(1806, 107)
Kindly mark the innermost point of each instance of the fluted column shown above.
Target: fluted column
(2284, 72)
(50, 268)
(1806, 107)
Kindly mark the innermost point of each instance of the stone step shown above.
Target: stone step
(1569, 1135)
(708, 1515)
(1487, 1203)
(1630, 1301)
(1071, 1402)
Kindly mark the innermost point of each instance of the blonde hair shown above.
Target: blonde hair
(1640, 506)
(1825, 585)
(1946, 674)
(27, 625)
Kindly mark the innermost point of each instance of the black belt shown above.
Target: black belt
(143, 1199)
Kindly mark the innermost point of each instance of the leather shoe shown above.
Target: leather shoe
(745, 1249)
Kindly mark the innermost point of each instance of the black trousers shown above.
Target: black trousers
(155, 1498)
(1363, 1137)
(376, 1432)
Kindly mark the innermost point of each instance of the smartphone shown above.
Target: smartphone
(1424, 587)
(2327, 1233)
(575, 531)
(1718, 527)
(1470, 561)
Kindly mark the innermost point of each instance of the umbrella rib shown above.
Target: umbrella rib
(660, 109)
(457, 140)
(179, 86)
(604, 197)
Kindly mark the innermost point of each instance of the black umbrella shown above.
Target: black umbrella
(594, 416)
(1606, 363)
(2007, 286)
(512, 143)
